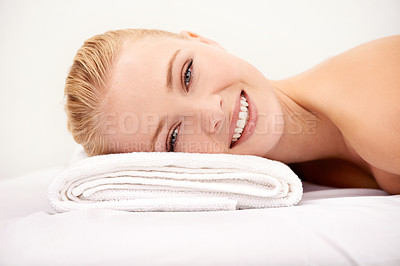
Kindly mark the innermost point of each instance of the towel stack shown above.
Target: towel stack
(152, 181)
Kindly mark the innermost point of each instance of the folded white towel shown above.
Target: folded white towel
(152, 181)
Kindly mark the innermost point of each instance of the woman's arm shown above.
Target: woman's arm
(334, 173)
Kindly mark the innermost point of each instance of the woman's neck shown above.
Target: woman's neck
(308, 134)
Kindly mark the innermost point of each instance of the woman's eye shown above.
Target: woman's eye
(172, 139)
(187, 76)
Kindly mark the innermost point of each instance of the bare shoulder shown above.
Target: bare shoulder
(360, 92)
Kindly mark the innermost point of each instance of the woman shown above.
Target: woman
(336, 124)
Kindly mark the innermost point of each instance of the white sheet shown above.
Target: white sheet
(328, 227)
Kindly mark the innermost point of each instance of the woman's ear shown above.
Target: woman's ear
(196, 37)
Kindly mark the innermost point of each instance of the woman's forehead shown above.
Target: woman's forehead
(150, 47)
(143, 61)
(137, 81)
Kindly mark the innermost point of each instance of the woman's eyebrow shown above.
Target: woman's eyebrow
(169, 71)
(157, 132)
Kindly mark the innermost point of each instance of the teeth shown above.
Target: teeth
(238, 130)
(236, 136)
(243, 117)
(241, 123)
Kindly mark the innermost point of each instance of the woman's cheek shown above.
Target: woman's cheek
(201, 145)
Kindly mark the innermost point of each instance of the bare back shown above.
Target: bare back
(359, 91)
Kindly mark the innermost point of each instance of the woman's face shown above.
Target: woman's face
(169, 94)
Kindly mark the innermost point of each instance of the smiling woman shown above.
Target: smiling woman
(147, 90)
(191, 90)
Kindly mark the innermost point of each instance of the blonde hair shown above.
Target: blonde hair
(86, 85)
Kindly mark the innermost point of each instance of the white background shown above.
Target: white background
(38, 40)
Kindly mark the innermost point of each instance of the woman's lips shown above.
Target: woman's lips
(251, 123)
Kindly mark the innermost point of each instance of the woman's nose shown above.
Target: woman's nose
(212, 114)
